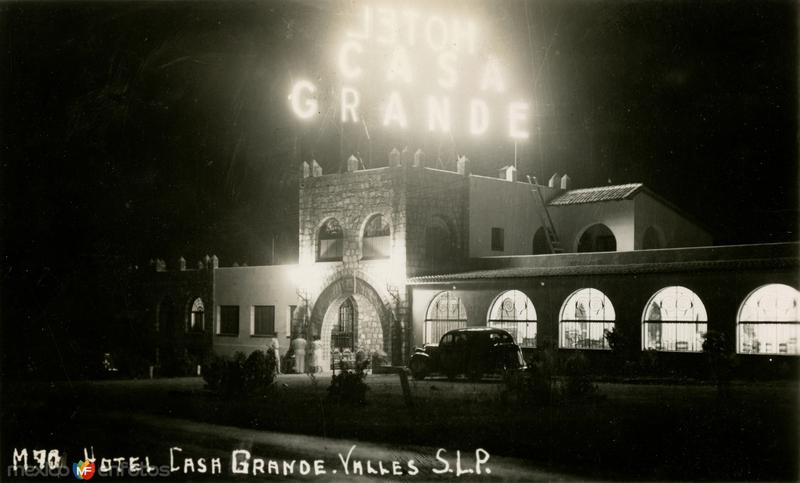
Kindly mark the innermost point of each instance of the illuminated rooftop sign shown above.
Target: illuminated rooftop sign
(405, 69)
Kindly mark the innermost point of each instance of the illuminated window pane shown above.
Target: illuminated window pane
(674, 320)
(513, 312)
(585, 318)
(376, 238)
(446, 312)
(330, 246)
(196, 316)
(769, 321)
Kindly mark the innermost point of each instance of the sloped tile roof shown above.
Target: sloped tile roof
(600, 193)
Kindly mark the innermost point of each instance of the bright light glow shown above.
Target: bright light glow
(438, 114)
(303, 107)
(399, 66)
(674, 320)
(769, 321)
(513, 312)
(396, 275)
(350, 102)
(478, 117)
(445, 312)
(771, 303)
(389, 48)
(436, 33)
(347, 69)
(395, 112)
(447, 67)
(465, 33)
(303, 275)
(517, 116)
(387, 25)
(366, 26)
(410, 17)
(585, 317)
(492, 77)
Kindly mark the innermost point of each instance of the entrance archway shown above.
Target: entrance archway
(348, 301)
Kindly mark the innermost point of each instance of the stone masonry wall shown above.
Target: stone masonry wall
(430, 194)
(409, 200)
(352, 198)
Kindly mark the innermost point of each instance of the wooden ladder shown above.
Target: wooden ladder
(547, 223)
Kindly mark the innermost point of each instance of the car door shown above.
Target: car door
(456, 355)
(446, 352)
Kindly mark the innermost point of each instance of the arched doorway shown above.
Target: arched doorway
(351, 324)
(440, 244)
(540, 246)
(349, 316)
(597, 238)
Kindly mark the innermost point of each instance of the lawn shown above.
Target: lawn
(634, 431)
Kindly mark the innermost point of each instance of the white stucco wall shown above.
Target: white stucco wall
(247, 287)
(571, 221)
(495, 202)
(678, 231)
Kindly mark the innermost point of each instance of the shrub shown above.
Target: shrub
(349, 387)
(624, 349)
(380, 358)
(240, 374)
(258, 371)
(362, 359)
(536, 384)
(213, 370)
(649, 363)
(721, 360)
(578, 384)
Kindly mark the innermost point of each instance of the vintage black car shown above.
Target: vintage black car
(473, 351)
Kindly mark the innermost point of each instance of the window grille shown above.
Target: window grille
(586, 316)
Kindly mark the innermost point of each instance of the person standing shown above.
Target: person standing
(299, 348)
(274, 344)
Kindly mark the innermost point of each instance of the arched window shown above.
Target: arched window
(330, 245)
(197, 316)
(674, 319)
(586, 316)
(652, 239)
(438, 244)
(769, 321)
(446, 312)
(375, 243)
(513, 312)
(597, 238)
(540, 242)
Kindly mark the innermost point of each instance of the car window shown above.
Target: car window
(447, 339)
(460, 339)
(499, 337)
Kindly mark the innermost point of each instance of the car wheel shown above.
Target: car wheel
(419, 369)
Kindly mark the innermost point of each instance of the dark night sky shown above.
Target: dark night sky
(151, 129)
